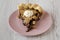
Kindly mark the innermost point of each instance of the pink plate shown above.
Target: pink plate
(41, 26)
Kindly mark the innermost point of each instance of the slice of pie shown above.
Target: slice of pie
(30, 14)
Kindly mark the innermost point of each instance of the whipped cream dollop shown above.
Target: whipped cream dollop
(28, 13)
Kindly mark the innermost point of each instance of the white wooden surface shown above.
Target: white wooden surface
(8, 6)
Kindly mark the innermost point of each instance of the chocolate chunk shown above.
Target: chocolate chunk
(29, 28)
(30, 25)
(37, 10)
(36, 14)
(31, 21)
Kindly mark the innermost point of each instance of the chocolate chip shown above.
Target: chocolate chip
(36, 14)
(33, 19)
(37, 10)
(29, 28)
(30, 22)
